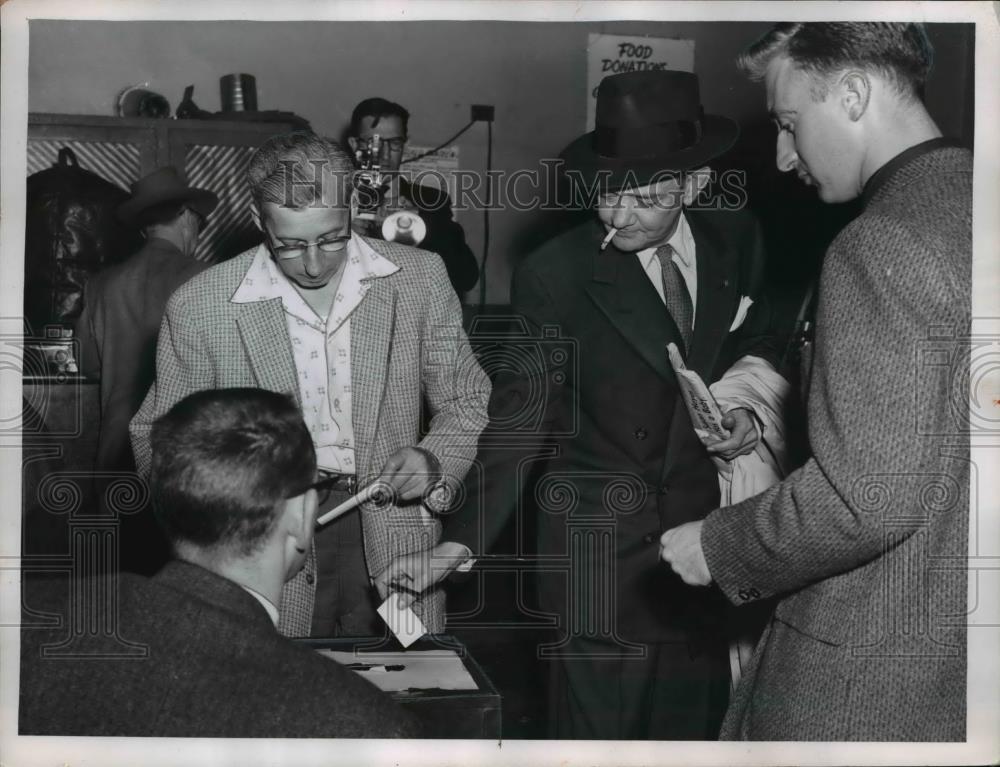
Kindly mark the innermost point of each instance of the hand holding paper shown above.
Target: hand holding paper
(402, 621)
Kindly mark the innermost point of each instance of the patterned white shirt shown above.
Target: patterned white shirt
(321, 347)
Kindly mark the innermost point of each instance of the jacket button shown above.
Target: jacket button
(310, 578)
(640, 433)
(650, 538)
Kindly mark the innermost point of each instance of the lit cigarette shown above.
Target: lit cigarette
(609, 238)
(350, 503)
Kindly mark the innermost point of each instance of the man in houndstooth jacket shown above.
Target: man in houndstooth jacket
(360, 332)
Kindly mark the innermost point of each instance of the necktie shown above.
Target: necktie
(675, 293)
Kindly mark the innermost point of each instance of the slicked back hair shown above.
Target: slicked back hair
(300, 170)
(899, 52)
(224, 460)
(376, 108)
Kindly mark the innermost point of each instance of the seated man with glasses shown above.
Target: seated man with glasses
(361, 332)
(193, 651)
(388, 120)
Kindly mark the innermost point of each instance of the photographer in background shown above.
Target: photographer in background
(388, 120)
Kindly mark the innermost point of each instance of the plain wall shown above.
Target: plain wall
(534, 73)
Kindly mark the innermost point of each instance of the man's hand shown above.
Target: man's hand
(412, 574)
(410, 471)
(681, 549)
(743, 435)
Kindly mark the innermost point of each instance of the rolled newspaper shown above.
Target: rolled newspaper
(704, 410)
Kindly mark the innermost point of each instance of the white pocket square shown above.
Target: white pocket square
(741, 314)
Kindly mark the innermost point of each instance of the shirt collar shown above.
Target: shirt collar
(881, 177)
(264, 281)
(681, 241)
(266, 603)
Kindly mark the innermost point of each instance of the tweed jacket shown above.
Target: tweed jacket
(866, 543)
(122, 309)
(407, 347)
(188, 654)
(589, 433)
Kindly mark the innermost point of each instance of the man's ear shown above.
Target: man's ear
(352, 142)
(855, 93)
(298, 520)
(695, 182)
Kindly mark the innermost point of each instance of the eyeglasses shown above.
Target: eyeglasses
(325, 245)
(394, 144)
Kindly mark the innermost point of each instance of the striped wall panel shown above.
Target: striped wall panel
(222, 169)
(116, 162)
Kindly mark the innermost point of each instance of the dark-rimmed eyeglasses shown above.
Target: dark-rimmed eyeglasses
(325, 485)
(327, 244)
(394, 144)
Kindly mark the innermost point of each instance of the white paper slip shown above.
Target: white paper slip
(403, 622)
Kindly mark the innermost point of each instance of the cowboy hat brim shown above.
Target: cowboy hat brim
(583, 164)
(201, 201)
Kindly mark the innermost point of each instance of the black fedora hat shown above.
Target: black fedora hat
(162, 186)
(647, 123)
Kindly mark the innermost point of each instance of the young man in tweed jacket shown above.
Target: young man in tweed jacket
(360, 332)
(866, 542)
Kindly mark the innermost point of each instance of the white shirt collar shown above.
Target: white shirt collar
(264, 281)
(682, 241)
(272, 611)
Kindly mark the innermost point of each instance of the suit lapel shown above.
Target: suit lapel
(265, 338)
(372, 327)
(624, 294)
(716, 296)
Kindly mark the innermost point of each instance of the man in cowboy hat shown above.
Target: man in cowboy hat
(642, 654)
(123, 307)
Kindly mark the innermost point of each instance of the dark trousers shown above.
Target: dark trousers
(345, 599)
(677, 692)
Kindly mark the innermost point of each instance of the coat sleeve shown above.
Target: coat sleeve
(875, 470)
(87, 331)
(182, 367)
(455, 387)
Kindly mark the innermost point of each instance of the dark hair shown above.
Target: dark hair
(294, 169)
(900, 52)
(377, 108)
(158, 215)
(223, 461)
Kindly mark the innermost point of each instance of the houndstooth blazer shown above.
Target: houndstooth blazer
(407, 344)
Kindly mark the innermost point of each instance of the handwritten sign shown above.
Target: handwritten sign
(614, 54)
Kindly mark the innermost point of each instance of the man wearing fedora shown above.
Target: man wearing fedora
(641, 655)
(122, 310)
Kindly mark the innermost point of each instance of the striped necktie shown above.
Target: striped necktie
(675, 293)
